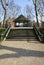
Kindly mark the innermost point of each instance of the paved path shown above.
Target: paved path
(21, 53)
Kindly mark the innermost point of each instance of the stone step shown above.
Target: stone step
(23, 38)
(22, 35)
(30, 40)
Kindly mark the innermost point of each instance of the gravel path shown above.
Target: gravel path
(21, 53)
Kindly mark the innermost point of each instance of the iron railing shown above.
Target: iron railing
(4, 34)
(39, 35)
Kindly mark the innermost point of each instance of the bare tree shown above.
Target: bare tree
(40, 8)
(10, 5)
(15, 9)
(36, 13)
(28, 11)
(5, 8)
(42, 2)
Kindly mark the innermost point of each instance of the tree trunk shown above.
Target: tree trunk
(2, 2)
(4, 18)
(36, 13)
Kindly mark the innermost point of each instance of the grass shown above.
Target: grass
(2, 30)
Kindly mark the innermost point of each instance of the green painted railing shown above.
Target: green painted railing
(39, 34)
(1, 31)
(4, 34)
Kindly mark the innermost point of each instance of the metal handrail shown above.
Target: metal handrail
(39, 34)
(4, 34)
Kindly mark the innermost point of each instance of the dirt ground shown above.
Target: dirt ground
(21, 53)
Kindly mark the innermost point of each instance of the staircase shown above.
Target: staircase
(22, 34)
